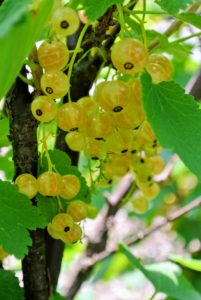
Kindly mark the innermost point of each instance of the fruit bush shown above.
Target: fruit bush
(99, 118)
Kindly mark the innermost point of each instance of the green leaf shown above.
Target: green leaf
(48, 207)
(9, 286)
(57, 297)
(193, 264)
(172, 6)
(94, 10)
(17, 215)
(60, 160)
(18, 34)
(175, 118)
(166, 278)
(4, 130)
(191, 18)
(11, 13)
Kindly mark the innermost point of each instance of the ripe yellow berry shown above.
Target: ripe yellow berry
(65, 21)
(73, 235)
(129, 56)
(55, 84)
(49, 184)
(159, 67)
(53, 56)
(78, 210)
(70, 186)
(44, 109)
(27, 185)
(139, 202)
(60, 225)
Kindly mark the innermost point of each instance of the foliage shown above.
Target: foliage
(9, 286)
(137, 118)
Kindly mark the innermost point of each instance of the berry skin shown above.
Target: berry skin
(55, 84)
(53, 56)
(95, 148)
(60, 225)
(112, 96)
(44, 109)
(73, 235)
(139, 202)
(70, 117)
(70, 186)
(129, 56)
(65, 21)
(88, 105)
(159, 67)
(156, 164)
(151, 191)
(99, 125)
(78, 210)
(49, 184)
(27, 185)
(75, 140)
(116, 165)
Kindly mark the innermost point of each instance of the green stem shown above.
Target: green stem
(142, 28)
(77, 49)
(25, 80)
(121, 20)
(186, 38)
(153, 296)
(148, 12)
(144, 10)
(131, 4)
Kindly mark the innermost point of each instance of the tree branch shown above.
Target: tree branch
(174, 26)
(90, 262)
(23, 128)
(97, 243)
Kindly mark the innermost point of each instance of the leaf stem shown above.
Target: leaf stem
(186, 38)
(77, 49)
(25, 79)
(144, 10)
(121, 20)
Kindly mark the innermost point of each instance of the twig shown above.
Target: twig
(148, 231)
(98, 243)
(174, 26)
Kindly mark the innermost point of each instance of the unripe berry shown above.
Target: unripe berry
(27, 185)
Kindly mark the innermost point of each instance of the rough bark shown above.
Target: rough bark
(24, 142)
